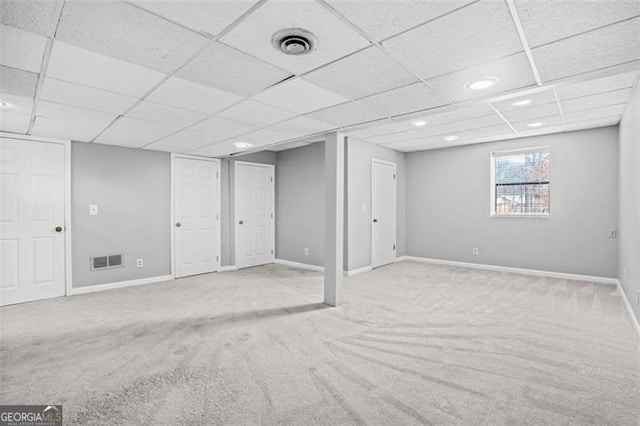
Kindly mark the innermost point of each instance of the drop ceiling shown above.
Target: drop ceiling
(197, 76)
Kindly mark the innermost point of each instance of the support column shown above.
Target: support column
(333, 217)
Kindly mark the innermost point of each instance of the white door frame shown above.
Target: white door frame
(67, 199)
(235, 207)
(173, 207)
(395, 183)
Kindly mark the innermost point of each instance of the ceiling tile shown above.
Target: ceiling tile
(602, 48)
(220, 129)
(457, 113)
(85, 97)
(202, 16)
(286, 146)
(593, 114)
(181, 142)
(442, 129)
(102, 72)
(130, 125)
(335, 39)
(255, 113)
(549, 20)
(362, 74)
(499, 130)
(228, 69)
(383, 19)
(591, 124)
(21, 49)
(550, 121)
(261, 137)
(15, 116)
(186, 94)
(395, 137)
(14, 123)
(299, 96)
(554, 127)
(16, 104)
(67, 122)
(346, 114)
(217, 150)
(112, 136)
(122, 31)
(18, 82)
(164, 114)
(479, 122)
(470, 36)
(531, 112)
(384, 127)
(594, 101)
(591, 87)
(541, 97)
(33, 16)
(512, 72)
(415, 97)
(301, 126)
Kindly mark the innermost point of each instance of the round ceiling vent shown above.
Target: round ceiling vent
(294, 41)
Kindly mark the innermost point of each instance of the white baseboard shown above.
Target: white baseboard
(298, 265)
(121, 284)
(627, 305)
(227, 268)
(560, 275)
(402, 258)
(357, 271)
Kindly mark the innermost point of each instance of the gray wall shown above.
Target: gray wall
(300, 204)
(448, 205)
(227, 199)
(358, 194)
(131, 189)
(629, 248)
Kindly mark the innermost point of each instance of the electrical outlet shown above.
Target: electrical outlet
(613, 233)
(139, 263)
(306, 252)
(476, 251)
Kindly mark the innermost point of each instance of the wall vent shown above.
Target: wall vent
(106, 262)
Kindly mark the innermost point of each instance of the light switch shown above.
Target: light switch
(93, 210)
(364, 208)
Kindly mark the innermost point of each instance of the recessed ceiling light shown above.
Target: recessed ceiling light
(294, 41)
(418, 123)
(522, 102)
(481, 83)
(3, 104)
(242, 145)
(451, 138)
(535, 124)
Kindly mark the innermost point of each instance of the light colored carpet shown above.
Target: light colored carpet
(413, 344)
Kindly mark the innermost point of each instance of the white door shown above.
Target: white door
(32, 227)
(196, 216)
(383, 212)
(254, 215)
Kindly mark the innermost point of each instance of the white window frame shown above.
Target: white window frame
(492, 189)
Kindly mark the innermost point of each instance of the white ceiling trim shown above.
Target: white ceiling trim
(523, 39)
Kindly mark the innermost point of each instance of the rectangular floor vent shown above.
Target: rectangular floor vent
(106, 262)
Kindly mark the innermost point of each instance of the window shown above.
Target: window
(520, 182)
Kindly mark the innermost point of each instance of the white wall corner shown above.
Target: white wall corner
(627, 305)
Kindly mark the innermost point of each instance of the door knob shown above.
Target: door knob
(375, 220)
(178, 224)
(241, 222)
(58, 228)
